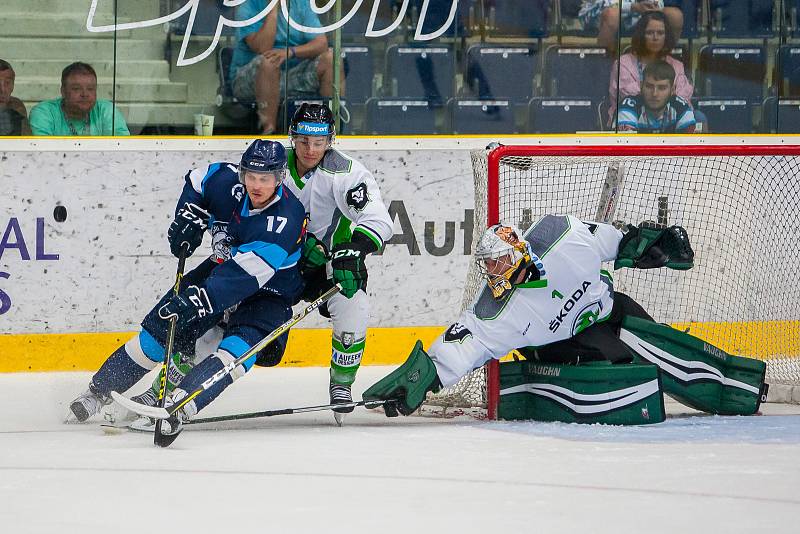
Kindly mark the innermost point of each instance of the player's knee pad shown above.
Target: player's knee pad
(597, 392)
(695, 372)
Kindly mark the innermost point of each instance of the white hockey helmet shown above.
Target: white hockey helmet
(501, 254)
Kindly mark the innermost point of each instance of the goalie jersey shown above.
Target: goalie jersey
(341, 197)
(571, 294)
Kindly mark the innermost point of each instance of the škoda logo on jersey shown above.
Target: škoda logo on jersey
(567, 307)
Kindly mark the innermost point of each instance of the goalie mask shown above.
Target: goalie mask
(501, 256)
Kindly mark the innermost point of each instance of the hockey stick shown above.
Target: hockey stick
(173, 321)
(116, 429)
(159, 412)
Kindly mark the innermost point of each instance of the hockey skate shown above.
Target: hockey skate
(116, 414)
(340, 394)
(85, 406)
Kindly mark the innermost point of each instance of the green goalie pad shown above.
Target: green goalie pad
(697, 373)
(597, 392)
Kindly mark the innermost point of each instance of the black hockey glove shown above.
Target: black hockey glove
(347, 260)
(188, 307)
(648, 246)
(314, 255)
(188, 227)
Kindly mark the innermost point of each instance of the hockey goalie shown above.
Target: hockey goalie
(547, 297)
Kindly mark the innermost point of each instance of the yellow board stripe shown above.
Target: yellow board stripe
(86, 352)
(385, 346)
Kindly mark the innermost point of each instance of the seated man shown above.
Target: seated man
(13, 115)
(548, 296)
(78, 111)
(270, 59)
(656, 109)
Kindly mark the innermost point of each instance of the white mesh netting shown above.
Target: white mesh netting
(742, 214)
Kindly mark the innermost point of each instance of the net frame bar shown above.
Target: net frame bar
(493, 192)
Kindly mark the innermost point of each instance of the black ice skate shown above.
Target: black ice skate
(340, 394)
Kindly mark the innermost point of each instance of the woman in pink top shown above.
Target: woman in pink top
(652, 39)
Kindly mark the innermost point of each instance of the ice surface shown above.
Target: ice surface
(301, 473)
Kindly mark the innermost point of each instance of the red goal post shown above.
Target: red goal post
(739, 203)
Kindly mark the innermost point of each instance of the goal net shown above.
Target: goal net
(739, 205)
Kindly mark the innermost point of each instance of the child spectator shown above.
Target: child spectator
(656, 109)
(13, 115)
(77, 112)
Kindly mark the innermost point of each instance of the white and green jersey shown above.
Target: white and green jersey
(341, 197)
(571, 294)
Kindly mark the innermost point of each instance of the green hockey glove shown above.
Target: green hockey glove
(648, 246)
(314, 255)
(349, 269)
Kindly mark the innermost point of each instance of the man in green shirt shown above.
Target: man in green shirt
(77, 112)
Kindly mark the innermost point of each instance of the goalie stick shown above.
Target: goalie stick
(108, 428)
(159, 412)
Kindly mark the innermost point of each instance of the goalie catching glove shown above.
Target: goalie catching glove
(347, 261)
(188, 307)
(191, 222)
(407, 385)
(648, 246)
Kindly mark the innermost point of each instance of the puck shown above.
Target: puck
(60, 213)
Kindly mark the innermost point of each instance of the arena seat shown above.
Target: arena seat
(781, 115)
(501, 71)
(471, 116)
(788, 70)
(206, 18)
(518, 18)
(421, 72)
(726, 115)
(393, 116)
(731, 71)
(572, 71)
(358, 73)
(562, 115)
(742, 18)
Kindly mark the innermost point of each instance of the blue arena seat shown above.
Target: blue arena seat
(517, 18)
(791, 18)
(470, 116)
(425, 72)
(561, 115)
(438, 13)
(788, 70)
(726, 115)
(571, 71)
(501, 71)
(781, 116)
(731, 71)
(742, 18)
(205, 21)
(358, 73)
(392, 116)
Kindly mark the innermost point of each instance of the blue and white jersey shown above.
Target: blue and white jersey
(676, 117)
(216, 189)
(265, 248)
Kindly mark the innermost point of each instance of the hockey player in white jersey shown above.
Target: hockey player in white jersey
(548, 298)
(347, 221)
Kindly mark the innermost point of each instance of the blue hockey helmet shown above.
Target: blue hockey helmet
(267, 157)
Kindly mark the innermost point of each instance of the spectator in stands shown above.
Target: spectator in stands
(652, 40)
(77, 112)
(605, 14)
(270, 57)
(656, 109)
(13, 115)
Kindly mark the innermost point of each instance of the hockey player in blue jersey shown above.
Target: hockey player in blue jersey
(257, 228)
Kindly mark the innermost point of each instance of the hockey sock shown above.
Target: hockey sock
(345, 361)
(118, 373)
(202, 372)
(179, 367)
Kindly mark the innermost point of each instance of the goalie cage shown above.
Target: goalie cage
(739, 205)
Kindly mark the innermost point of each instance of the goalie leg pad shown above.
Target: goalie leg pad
(596, 392)
(697, 373)
(408, 384)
